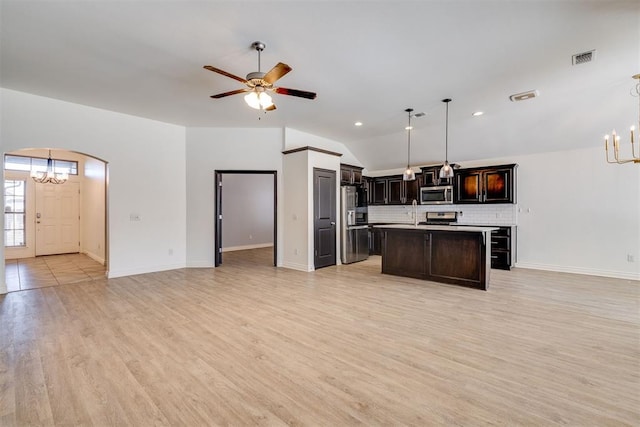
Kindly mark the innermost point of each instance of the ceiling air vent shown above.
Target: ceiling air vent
(524, 95)
(584, 57)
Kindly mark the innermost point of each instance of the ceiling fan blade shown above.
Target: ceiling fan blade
(276, 72)
(295, 92)
(224, 73)
(271, 108)
(233, 92)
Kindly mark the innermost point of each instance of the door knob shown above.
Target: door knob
(333, 223)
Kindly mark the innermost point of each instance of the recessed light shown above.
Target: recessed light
(477, 113)
(408, 127)
(358, 123)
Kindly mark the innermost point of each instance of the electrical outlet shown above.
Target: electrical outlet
(630, 258)
(250, 237)
(170, 251)
(295, 252)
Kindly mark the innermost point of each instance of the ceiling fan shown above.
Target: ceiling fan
(259, 84)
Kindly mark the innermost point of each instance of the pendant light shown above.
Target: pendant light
(408, 174)
(446, 171)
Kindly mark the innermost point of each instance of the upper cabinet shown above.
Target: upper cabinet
(350, 175)
(392, 190)
(431, 176)
(494, 184)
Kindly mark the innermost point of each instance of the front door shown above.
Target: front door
(57, 218)
(324, 214)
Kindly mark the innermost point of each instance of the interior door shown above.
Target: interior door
(57, 218)
(324, 214)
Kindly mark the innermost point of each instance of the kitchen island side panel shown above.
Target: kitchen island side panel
(441, 254)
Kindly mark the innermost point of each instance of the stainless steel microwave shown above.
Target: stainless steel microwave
(441, 195)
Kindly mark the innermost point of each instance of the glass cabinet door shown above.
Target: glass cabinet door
(497, 186)
(468, 187)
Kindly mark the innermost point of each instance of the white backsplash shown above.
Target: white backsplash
(490, 214)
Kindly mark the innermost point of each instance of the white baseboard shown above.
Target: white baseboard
(245, 247)
(296, 266)
(200, 264)
(95, 257)
(143, 270)
(580, 270)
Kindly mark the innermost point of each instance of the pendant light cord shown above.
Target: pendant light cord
(446, 136)
(409, 141)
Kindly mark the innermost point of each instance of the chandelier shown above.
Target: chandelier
(49, 176)
(615, 138)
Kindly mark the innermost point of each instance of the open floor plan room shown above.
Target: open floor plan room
(250, 344)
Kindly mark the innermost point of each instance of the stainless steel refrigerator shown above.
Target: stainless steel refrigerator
(354, 235)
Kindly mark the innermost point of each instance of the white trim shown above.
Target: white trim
(245, 247)
(144, 270)
(200, 264)
(578, 270)
(296, 266)
(95, 257)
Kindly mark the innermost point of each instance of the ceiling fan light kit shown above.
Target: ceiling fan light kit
(259, 84)
(446, 171)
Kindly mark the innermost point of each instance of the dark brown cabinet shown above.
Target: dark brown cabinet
(375, 241)
(496, 184)
(392, 190)
(503, 248)
(431, 177)
(350, 175)
(456, 257)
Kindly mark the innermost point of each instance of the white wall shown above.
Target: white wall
(295, 139)
(210, 149)
(578, 214)
(146, 176)
(93, 209)
(296, 212)
(247, 211)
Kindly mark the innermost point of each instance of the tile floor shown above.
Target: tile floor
(51, 270)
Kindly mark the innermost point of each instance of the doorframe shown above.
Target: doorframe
(25, 150)
(217, 229)
(336, 201)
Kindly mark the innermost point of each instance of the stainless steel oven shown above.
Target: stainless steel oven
(442, 195)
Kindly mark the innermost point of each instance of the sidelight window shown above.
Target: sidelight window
(14, 213)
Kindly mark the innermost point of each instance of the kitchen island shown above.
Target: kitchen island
(457, 255)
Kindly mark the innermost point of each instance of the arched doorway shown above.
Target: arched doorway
(50, 219)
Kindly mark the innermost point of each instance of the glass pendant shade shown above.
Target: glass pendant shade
(258, 100)
(446, 171)
(409, 174)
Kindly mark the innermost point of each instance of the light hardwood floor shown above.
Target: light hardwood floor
(250, 344)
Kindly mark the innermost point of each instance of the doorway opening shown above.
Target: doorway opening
(46, 220)
(245, 213)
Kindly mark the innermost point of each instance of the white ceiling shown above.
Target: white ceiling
(367, 60)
